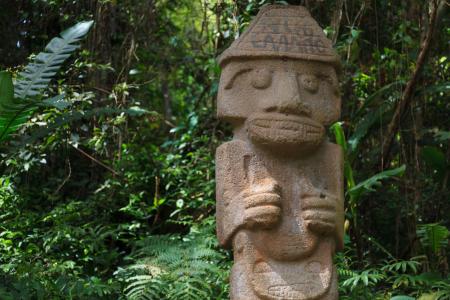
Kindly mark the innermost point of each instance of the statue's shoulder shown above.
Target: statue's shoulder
(332, 150)
(233, 148)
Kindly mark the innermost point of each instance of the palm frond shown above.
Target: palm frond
(17, 101)
(37, 75)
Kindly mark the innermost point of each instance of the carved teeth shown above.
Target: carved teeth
(300, 127)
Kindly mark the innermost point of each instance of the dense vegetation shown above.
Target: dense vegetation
(107, 150)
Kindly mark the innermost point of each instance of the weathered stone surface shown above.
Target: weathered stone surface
(279, 181)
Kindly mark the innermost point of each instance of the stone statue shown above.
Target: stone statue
(279, 181)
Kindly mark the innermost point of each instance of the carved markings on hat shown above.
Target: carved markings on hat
(287, 34)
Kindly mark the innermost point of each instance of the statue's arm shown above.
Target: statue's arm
(247, 196)
(323, 205)
(229, 183)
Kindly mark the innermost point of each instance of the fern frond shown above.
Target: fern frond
(138, 286)
(189, 268)
(192, 288)
(144, 289)
(346, 273)
(37, 75)
(203, 253)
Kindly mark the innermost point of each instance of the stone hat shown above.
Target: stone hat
(282, 31)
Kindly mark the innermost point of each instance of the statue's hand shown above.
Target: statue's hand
(262, 203)
(319, 212)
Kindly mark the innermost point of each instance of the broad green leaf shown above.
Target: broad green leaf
(433, 236)
(435, 159)
(442, 135)
(340, 140)
(77, 31)
(13, 113)
(6, 88)
(18, 103)
(403, 297)
(40, 71)
(374, 181)
(339, 135)
(364, 125)
(437, 88)
(376, 95)
(432, 296)
(57, 102)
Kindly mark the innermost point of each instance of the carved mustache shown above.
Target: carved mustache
(295, 107)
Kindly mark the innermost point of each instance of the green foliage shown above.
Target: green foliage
(108, 193)
(433, 236)
(37, 74)
(389, 280)
(173, 267)
(374, 181)
(19, 101)
(13, 113)
(366, 278)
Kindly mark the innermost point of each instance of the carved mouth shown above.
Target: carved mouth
(305, 130)
(271, 128)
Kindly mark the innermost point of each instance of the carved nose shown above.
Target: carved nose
(294, 106)
(288, 99)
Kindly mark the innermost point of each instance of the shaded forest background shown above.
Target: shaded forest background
(111, 195)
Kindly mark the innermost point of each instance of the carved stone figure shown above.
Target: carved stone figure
(279, 181)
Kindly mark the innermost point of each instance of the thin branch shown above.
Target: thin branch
(65, 179)
(409, 89)
(336, 21)
(96, 161)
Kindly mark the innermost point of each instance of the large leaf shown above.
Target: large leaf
(364, 125)
(403, 297)
(433, 236)
(378, 94)
(442, 135)
(374, 181)
(6, 88)
(435, 159)
(432, 296)
(12, 112)
(18, 102)
(339, 135)
(38, 73)
(340, 140)
(437, 88)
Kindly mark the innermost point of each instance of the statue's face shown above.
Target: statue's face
(283, 103)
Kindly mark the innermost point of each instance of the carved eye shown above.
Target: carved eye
(309, 83)
(261, 78)
(332, 81)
